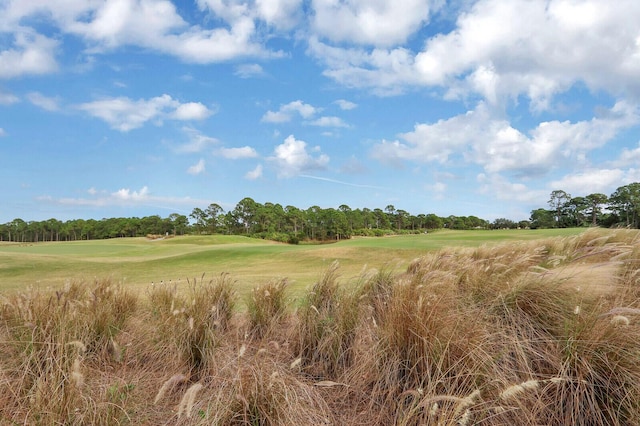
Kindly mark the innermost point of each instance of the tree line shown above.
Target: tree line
(292, 224)
(620, 209)
(249, 217)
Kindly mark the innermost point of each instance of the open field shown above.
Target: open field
(544, 331)
(138, 261)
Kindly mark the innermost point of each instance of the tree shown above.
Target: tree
(542, 218)
(502, 223)
(576, 208)
(179, 223)
(245, 213)
(557, 202)
(295, 218)
(200, 218)
(212, 218)
(433, 221)
(595, 201)
(625, 201)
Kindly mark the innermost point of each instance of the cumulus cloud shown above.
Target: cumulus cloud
(197, 168)
(30, 53)
(499, 50)
(591, 181)
(125, 114)
(286, 112)
(507, 48)
(151, 24)
(385, 71)
(292, 158)
(379, 23)
(481, 138)
(238, 153)
(191, 111)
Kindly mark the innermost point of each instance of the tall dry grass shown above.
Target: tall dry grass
(533, 333)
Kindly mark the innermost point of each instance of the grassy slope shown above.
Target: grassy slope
(138, 261)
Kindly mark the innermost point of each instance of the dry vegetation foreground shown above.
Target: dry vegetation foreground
(534, 333)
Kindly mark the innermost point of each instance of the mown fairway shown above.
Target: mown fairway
(137, 262)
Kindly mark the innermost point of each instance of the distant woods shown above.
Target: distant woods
(293, 225)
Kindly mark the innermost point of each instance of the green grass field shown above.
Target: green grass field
(137, 262)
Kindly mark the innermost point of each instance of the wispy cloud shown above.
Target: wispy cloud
(255, 173)
(197, 142)
(125, 197)
(249, 71)
(197, 168)
(339, 182)
(45, 102)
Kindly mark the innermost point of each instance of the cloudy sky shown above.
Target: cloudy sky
(138, 107)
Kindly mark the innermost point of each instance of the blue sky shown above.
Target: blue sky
(113, 108)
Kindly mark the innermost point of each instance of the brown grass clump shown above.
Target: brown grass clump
(326, 327)
(533, 333)
(267, 306)
(191, 322)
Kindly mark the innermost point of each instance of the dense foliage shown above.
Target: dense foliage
(620, 209)
(248, 217)
(292, 224)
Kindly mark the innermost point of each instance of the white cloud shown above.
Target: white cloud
(346, 105)
(192, 111)
(2, 132)
(291, 158)
(44, 102)
(329, 122)
(151, 24)
(379, 23)
(481, 138)
(498, 49)
(31, 54)
(286, 112)
(280, 14)
(627, 157)
(498, 187)
(125, 197)
(249, 71)
(197, 142)
(275, 117)
(255, 173)
(238, 153)
(590, 181)
(197, 168)
(125, 114)
(126, 194)
(8, 99)
(386, 71)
